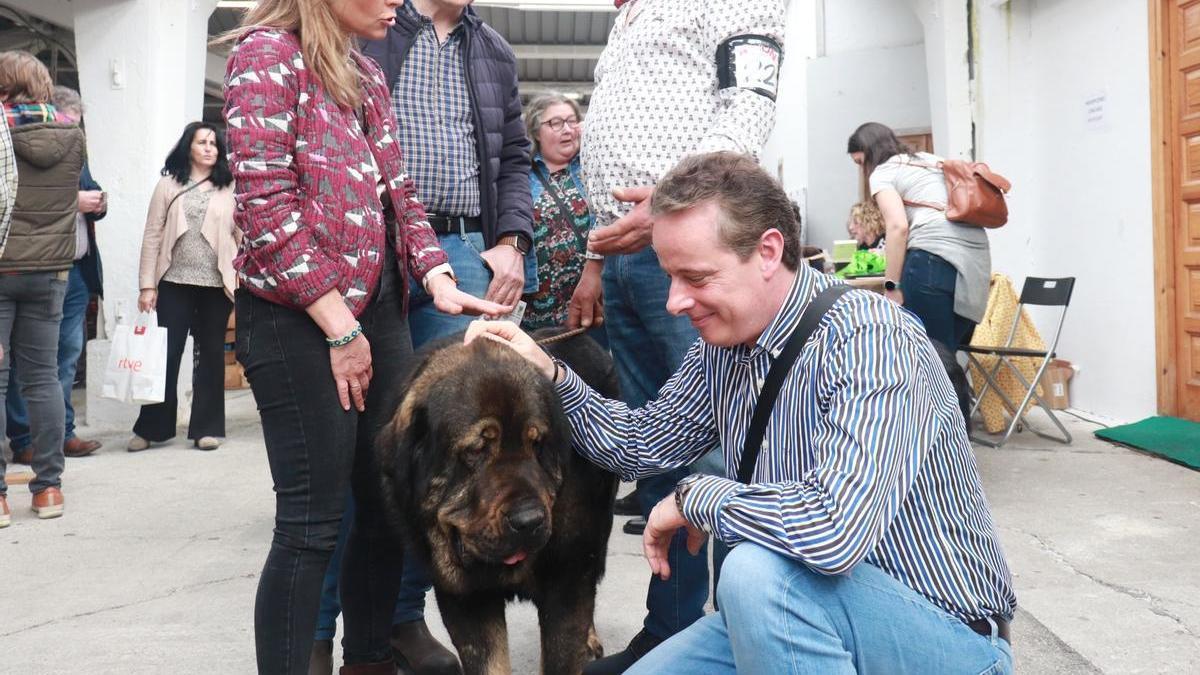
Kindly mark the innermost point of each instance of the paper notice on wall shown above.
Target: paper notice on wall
(1095, 106)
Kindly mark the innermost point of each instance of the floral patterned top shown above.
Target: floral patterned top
(559, 240)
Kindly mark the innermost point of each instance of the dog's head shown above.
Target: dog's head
(475, 456)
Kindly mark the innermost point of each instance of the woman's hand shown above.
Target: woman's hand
(147, 300)
(351, 366)
(586, 307)
(896, 296)
(350, 363)
(508, 333)
(447, 298)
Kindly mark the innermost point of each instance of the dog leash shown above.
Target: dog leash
(562, 336)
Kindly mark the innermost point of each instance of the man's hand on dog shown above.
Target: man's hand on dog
(508, 333)
(661, 526)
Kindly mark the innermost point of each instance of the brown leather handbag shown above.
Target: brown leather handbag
(975, 193)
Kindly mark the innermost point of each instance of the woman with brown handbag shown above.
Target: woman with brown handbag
(936, 268)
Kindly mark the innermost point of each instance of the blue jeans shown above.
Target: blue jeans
(70, 346)
(928, 283)
(648, 344)
(463, 249)
(779, 616)
(425, 323)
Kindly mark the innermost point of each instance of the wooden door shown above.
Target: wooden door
(1177, 241)
(919, 142)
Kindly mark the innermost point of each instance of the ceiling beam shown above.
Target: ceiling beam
(559, 52)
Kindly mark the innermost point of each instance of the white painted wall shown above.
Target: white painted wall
(845, 90)
(871, 67)
(869, 24)
(157, 51)
(785, 154)
(1081, 204)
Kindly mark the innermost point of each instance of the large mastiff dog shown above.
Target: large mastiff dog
(479, 466)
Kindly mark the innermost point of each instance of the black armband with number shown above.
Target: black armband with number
(749, 62)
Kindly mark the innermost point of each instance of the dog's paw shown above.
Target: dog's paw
(595, 650)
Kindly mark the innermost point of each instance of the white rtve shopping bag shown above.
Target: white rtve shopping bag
(137, 363)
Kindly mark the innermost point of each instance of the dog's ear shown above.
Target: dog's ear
(557, 446)
(399, 447)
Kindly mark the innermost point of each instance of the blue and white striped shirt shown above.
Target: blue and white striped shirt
(435, 125)
(865, 457)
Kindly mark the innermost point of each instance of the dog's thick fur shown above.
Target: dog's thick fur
(479, 467)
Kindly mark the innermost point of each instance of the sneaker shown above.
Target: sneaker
(48, 503)
(137, 444)
(5, 514)
(639, 646)
(208, 443)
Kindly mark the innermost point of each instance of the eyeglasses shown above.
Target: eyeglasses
(558, 123)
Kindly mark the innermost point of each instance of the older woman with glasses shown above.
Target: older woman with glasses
(568, 283)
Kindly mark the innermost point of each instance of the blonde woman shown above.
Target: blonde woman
(327, 211)
(865, 225)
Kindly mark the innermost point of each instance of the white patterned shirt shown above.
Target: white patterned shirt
(657, 98)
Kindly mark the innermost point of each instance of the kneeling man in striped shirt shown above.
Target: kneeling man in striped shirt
(863, 542)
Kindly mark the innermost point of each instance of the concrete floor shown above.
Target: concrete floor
(154, 566)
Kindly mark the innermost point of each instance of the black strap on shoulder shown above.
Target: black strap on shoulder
(185, 190)
(778, 372)
(563, 211)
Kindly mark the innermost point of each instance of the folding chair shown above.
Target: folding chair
(1036, 291)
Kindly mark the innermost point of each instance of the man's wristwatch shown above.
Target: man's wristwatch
(889, 285)
(682, 488)
(516, 241)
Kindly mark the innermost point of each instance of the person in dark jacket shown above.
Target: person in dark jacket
(453, 81)
(50, 153)
(84, 281)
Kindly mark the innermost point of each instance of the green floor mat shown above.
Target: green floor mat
(1168, 437)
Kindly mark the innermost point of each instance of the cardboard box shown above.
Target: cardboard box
(230, 357)
(229, 325)
(230, 336)
(235, 378)
(1056, 380)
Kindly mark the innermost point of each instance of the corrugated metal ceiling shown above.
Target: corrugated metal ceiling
(524, 28)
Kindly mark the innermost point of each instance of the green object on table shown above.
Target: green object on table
(863, 264)
(1168, 437)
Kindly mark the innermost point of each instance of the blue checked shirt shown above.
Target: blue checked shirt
(435, 127)
(865, 457)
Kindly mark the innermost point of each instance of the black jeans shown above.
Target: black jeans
(317, 452)
(204, 312)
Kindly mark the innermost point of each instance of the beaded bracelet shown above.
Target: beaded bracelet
(345, 339)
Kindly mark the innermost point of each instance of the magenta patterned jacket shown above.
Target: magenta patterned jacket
(306, 185)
